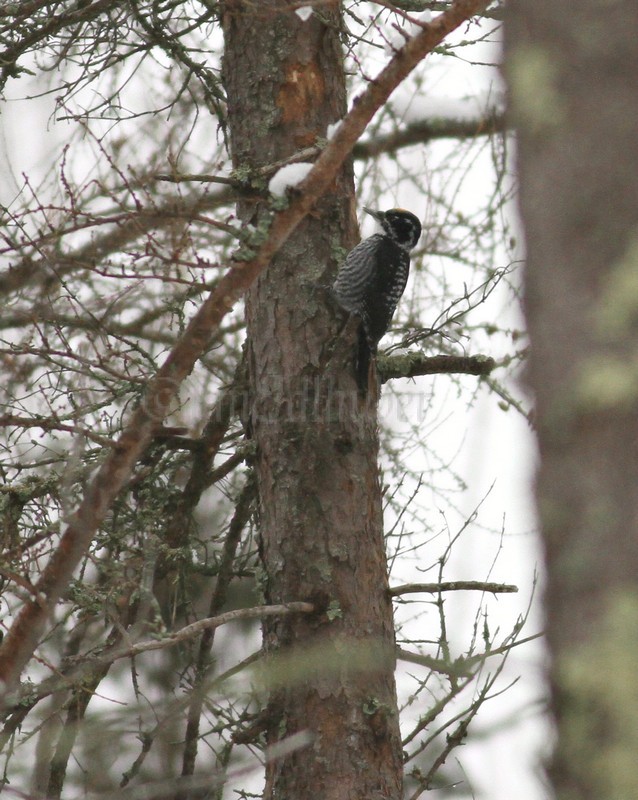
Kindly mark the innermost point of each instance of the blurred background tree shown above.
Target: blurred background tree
(579, 202)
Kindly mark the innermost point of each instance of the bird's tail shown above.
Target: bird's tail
(364, 358)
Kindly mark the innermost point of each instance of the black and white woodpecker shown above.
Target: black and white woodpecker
(372, 279)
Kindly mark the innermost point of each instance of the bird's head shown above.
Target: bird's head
(400, 225)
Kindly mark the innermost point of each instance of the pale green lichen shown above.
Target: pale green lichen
(334, 610)
(533, 84)
(598, 679)
(617, 312)
(607, 382)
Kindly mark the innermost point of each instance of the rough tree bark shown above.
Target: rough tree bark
(320, 501)
(571, 69)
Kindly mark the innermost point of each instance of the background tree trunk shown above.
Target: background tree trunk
(320, 500)
(572, 69)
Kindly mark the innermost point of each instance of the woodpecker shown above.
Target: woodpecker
(372, 279)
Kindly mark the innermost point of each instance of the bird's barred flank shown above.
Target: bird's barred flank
(372, 279)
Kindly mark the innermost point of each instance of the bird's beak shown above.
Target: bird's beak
(378, 215)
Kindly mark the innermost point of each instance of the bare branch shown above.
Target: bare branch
(190, 631)
(427, 130)
(12, 421)
(457, 669)
(451, 586)
(53, 23)
(412, 364)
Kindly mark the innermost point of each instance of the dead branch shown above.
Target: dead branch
(131, 650)
(413, 363)
(451, 586)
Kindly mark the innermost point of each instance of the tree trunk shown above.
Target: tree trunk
(572, 70)
(316, 442)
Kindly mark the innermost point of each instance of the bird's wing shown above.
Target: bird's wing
(356, 274)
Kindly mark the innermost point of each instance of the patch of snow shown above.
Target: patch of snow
(396, 39)
(332, 129)
(290, 175)
(304, 13)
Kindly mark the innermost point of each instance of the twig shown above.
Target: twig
(458, 669)
(12, 421)
(452, 586)
(190, 631)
